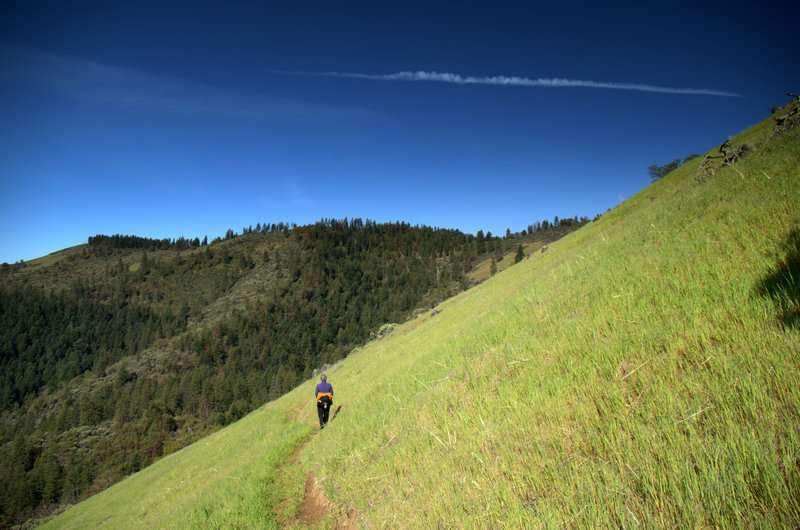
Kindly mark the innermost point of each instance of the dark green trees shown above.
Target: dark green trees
(520, 255)
(656, 172)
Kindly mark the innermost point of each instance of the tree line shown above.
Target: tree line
(656, 172)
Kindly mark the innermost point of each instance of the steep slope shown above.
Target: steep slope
(641, 372)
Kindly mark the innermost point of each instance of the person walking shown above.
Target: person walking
(324, 395)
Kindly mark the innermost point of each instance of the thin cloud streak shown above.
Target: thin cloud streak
(443, 77)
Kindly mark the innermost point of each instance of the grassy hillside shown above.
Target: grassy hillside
(642, 372)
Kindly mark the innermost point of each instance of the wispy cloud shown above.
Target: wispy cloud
(443, 77)
(118, 86)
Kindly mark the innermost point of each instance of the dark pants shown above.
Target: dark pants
(322, 411)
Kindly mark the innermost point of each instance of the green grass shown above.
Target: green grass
(639, 373)
(222, 481)
(632, 375)
(484, 269)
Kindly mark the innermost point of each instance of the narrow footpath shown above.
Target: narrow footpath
(315, 507)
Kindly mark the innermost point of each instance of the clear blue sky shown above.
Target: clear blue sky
(170, 119)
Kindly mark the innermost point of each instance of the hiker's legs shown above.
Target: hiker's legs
(323, 416)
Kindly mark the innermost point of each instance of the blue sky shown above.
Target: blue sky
(170, 119)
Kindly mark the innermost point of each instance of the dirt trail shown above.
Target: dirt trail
(316, 505)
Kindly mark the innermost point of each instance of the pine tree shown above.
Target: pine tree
(481, 243)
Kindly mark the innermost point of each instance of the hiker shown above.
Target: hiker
(324, 395)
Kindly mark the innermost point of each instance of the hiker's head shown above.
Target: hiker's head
(323, 378)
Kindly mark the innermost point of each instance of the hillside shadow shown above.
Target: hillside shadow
(783, 285)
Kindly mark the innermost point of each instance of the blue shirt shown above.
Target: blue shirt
(323, 388)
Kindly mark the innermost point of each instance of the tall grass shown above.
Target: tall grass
(633, 375)
(637, 374)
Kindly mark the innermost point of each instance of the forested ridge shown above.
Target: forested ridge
(127, 348)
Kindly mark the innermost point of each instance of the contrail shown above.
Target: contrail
(443, 77)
